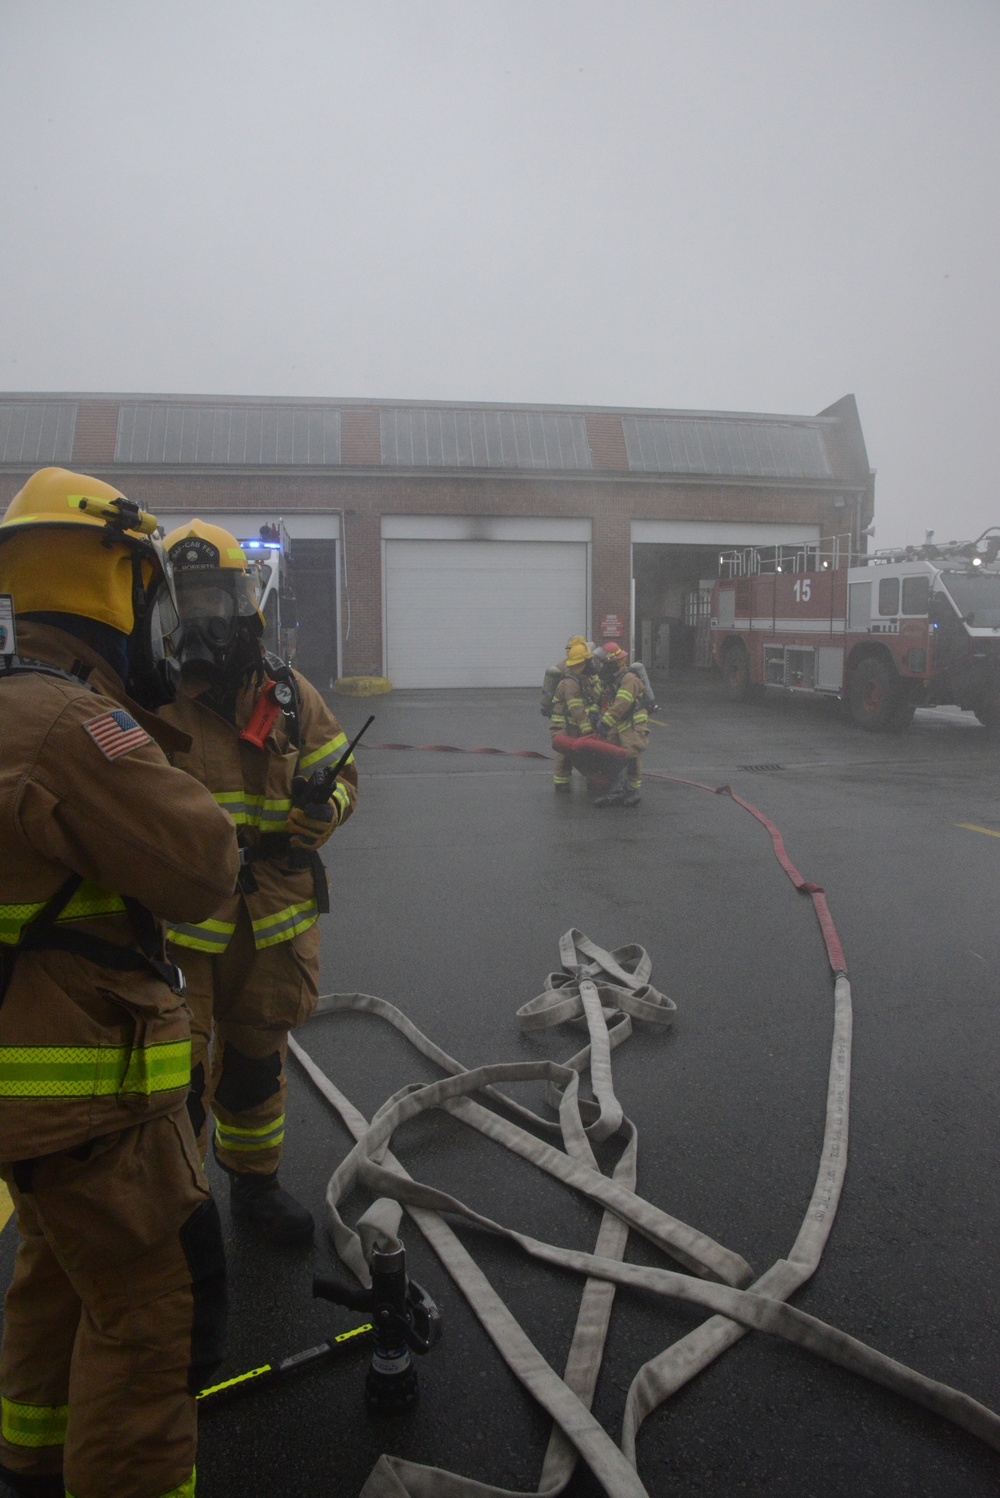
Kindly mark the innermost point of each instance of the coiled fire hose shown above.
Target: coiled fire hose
(609, 991)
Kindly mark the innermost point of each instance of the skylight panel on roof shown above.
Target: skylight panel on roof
(37, 431)
(179, 432)
(434, 438)
(725, 448)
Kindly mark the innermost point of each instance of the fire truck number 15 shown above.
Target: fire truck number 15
(803, 589)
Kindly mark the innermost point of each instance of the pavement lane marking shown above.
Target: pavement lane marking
(971, 827)
(6, 1205)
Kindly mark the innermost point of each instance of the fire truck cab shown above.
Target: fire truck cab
(268, 554)
(886, 633)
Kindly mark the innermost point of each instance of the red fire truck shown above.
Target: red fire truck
(887, 633)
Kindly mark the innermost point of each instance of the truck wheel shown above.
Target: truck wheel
(736, 673)
(875, 698)
(987, 710)
(902, 716)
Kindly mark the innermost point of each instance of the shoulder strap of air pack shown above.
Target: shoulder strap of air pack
(21, 665)
(280, 671)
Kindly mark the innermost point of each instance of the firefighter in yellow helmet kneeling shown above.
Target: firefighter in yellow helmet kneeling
(253, 968)
(624, 721)
(116, 1311)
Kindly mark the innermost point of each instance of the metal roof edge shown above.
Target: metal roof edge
(357, 403)
(374, 471)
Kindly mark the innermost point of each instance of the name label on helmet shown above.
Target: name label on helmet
(8, 637)
(194, 553)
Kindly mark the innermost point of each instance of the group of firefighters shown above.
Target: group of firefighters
(600, 697)
(158, 811)
(161, 809)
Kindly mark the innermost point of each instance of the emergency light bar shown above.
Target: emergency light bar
(974, 552)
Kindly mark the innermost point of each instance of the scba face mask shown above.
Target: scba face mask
(154, 671)
(218, 614)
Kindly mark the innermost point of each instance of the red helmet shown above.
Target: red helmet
(614, 653)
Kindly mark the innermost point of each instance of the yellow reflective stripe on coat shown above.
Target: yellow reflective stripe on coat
(184, 1490)
(609, 719)
(88, 900)
(255, 811)
(232, 1137)
(33, 1424)
(284, 924)
(325, 754)
(206, 936)
(341, 798)
(52, 1071)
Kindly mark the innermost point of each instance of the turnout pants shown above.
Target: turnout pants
(243, 1003)
(635, 741)
(115, 1315)
(563, 772)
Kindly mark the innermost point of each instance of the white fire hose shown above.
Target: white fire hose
(609, 991)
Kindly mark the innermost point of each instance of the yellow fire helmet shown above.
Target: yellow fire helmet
(58, 551)
(577, 654)
(198, 549)
(72, 544)
(218, 591)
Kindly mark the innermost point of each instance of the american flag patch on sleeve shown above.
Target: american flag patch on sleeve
(116, 733)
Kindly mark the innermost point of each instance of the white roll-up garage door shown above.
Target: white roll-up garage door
(481, 613)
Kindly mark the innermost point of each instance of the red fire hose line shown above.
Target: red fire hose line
(816, 893)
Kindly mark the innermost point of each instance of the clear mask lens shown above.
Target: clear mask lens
(215, 595)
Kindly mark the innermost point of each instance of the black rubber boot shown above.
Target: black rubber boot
(616, 795)
(631, 797)
(31, 1487)
(269, 1209)
(563, 787)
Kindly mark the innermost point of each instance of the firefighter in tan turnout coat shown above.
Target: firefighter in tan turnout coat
(115, 1314)
(624, 721)
(573, 705)
(253, 967)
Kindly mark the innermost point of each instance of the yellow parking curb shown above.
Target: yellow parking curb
(362, 686)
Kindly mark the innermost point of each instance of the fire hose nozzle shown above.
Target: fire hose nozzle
(404, 1319)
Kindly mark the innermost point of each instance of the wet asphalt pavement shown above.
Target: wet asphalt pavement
(450, 889)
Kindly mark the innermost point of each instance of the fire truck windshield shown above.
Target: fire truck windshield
(976, 595)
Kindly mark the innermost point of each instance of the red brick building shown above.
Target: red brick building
(461, 544)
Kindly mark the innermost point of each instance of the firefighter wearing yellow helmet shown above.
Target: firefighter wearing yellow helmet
(625, 722)
(255, 726)
(573, 705)
(120, 1273)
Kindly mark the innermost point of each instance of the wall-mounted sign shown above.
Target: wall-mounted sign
(612, 627)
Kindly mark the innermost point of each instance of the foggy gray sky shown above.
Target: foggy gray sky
(753, 205)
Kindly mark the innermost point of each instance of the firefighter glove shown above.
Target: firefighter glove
(603, 731)
(309, 826)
